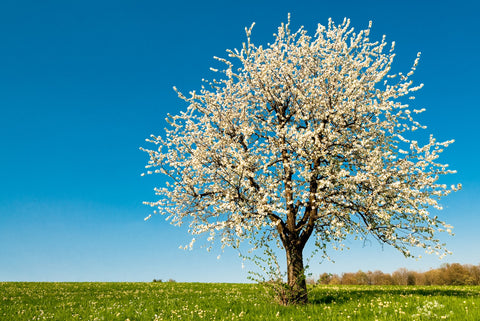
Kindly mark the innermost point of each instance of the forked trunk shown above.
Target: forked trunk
(297, 285)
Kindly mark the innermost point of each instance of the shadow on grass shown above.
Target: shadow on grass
(343, 294)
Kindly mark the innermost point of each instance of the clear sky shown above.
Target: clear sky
(83, 83)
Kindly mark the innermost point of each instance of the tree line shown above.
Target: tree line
(446, 274)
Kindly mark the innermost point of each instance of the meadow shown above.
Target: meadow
(219, 301)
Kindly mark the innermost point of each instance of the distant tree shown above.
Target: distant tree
(379, 278)
(349, 278)
(474, 274)
(455, 274)
(325, 278)
(387, 279)
(411, 278)
(419, 278)
(305, 138)
(434, 277)
(400, 276)
(361, 278)
(335, 280)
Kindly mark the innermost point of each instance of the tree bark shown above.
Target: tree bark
(297, 285)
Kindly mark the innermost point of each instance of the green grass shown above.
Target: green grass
(200, 301)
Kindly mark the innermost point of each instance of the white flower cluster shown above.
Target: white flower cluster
(304, 137)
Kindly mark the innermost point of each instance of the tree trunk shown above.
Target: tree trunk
(297, 285)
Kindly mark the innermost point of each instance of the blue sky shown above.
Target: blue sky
(83, 83)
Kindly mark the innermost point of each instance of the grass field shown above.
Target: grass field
(201, 301)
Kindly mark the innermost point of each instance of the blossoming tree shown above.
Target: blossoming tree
(304, 139)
